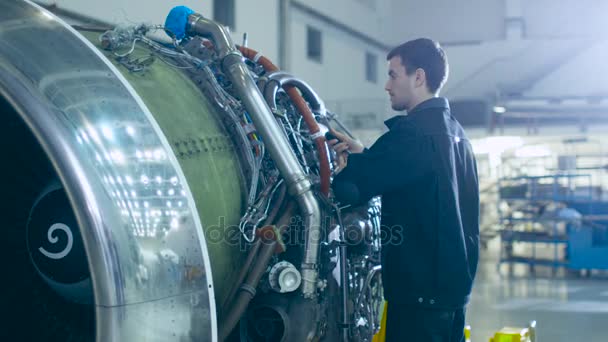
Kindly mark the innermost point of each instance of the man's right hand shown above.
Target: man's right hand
(343, 145)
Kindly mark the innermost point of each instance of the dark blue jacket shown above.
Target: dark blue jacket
(425, 170)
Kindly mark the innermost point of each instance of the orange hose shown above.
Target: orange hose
(302, 107)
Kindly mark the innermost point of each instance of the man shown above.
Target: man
(425, 170)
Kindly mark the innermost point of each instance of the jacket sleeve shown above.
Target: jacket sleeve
(395, 163)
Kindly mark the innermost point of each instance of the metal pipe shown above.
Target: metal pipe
(284, 79)
(284, 33)
(218, 34)
(247, 290)
(253, 252)
(372, 274)
(276, 142)
(278, 204)
(368, 281)
(267, 248)
(345, 287)
(367, 290)
(302, 107)
(298, 183)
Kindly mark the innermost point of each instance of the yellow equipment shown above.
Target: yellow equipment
(510, 334)
(381, 334)
(506, 334)
(467, 333)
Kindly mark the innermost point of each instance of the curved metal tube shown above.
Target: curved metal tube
(247, 289)
(307, 115)
(255, 248)
(284, 79)
(251, 256)
(297, 182)
(81, 111)
(368, 279)
(367, 284)
(265, 249)
(218, 34)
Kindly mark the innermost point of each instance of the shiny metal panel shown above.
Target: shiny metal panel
(141, 230)
(177, 318)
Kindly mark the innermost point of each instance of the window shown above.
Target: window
(314, 44)
(371, 67)
(515, 28)
(223, 12)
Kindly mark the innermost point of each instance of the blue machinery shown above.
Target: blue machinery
(562, 214)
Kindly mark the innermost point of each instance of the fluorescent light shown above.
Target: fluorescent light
(496, 144)
(499, 109)
(533, 151)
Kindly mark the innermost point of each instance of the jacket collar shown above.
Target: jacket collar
(432, 103)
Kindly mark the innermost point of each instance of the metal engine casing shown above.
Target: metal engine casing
(154, 179)
(105, 146)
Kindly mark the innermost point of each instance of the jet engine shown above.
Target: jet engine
(171, 190)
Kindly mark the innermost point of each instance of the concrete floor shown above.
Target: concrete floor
(565, 307)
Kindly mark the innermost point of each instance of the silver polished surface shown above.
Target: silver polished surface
(219, 34)
(169, 319)
(138, 220)
(275, 141)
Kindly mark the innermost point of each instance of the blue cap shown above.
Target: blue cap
(176, 22)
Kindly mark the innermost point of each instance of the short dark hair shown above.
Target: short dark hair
(426, 54)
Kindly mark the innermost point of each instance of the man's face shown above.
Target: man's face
(400, 86)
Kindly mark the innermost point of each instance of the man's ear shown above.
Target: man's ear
(420, 77)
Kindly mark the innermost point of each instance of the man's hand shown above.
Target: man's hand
(343, 145)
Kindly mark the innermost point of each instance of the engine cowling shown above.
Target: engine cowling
(146, 191)
(71, 118)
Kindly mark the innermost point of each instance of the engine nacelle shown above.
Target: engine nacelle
(155, 186)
